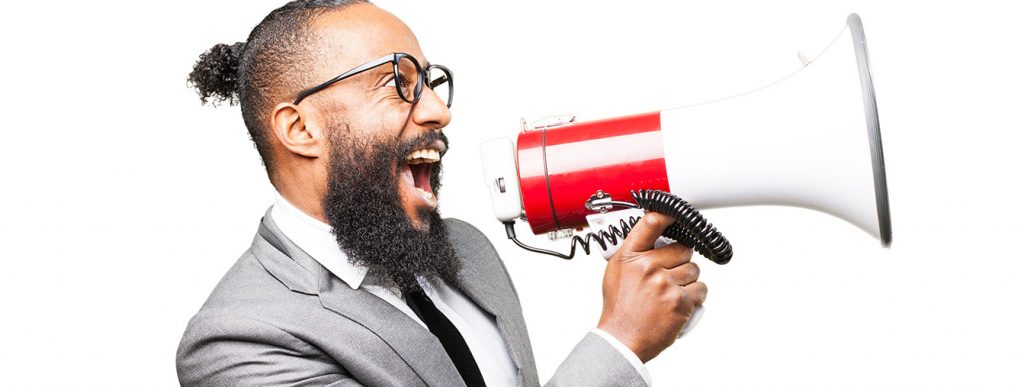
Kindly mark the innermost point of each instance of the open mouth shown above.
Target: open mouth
(418, 169)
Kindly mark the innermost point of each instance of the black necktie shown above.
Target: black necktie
(449, 336)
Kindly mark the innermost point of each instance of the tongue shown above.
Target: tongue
(421, 176)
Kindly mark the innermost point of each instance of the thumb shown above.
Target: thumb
(642, 237)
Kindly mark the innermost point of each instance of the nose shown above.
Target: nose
(430, 111)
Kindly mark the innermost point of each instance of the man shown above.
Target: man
(353, 277)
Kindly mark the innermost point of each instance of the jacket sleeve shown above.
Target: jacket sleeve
(237, 351)
(594, 362)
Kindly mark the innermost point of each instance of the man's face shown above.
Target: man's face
(383, 169)
(371, 108)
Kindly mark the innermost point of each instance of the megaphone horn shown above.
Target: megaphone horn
(799, 142)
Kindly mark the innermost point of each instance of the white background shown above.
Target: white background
(124, 201)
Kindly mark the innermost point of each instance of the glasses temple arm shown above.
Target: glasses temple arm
(353, 72)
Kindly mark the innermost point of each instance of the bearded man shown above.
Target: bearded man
(353, 277)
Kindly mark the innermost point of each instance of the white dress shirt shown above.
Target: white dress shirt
(478, 328)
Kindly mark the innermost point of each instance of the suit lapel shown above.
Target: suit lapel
(416, 345)
(483, 293)
(485, 281)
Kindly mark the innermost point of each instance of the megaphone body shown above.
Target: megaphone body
(811, 140)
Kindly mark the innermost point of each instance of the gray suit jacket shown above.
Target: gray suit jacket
(280, 318)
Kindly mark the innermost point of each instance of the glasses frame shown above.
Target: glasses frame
(393, 58)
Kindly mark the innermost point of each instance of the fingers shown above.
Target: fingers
(671, 255)
(646, 232)
(684, 274)
(696, 293)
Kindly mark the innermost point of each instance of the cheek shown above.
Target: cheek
(380, 122)
(391, 114)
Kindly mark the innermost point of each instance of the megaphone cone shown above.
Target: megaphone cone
(811, 140)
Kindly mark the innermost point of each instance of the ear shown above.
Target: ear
(297, 130)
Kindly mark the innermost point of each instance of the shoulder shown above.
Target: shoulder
(249, 298)
(461, 226)
(476, 249)
(226, 349)
(471, 243)
(465, 235)
(249, 319)
(249, 282)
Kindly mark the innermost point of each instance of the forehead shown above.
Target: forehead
(360, 33)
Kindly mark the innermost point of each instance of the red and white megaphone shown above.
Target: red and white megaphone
(811, 140)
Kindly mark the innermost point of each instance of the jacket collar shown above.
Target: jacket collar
(316, 240)
(481, 282)
(301, 273)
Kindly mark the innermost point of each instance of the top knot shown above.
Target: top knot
(215, 74)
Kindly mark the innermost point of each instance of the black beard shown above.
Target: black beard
(364, 210)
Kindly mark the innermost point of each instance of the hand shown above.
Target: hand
(649, 293)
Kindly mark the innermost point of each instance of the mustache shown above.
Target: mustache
(422, 141)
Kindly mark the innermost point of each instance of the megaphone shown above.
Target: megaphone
(810, 140)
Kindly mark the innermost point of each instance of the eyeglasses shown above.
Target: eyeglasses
(409, 78)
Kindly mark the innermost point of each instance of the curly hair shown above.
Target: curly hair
(270, 66)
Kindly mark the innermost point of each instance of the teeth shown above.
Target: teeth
(425, 193)
(423, 156)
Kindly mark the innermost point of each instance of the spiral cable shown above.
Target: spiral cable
(604, 236)
(690, 228)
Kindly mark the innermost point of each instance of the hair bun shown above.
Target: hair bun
(215, 74)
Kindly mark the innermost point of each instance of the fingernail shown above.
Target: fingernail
(651, 219)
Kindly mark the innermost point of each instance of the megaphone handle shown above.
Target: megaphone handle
(692, 322)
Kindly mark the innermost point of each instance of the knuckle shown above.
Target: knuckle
(682, 299)
(646, 265)
(660, 281)
(674, 296)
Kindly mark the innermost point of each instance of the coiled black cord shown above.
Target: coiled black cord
(690, 228)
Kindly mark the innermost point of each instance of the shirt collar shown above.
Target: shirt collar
(315, 238)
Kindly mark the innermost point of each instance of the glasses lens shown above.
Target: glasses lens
(440, 80)
(408, 82)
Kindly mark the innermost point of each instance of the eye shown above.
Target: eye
(391, 82)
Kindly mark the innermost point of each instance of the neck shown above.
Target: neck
(302, 181)
(306, 200)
